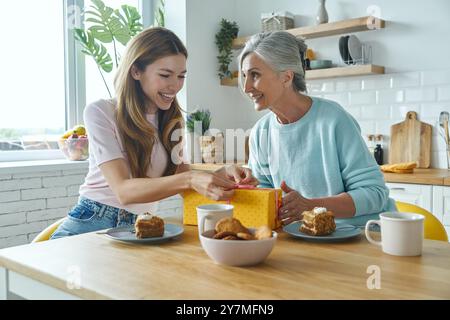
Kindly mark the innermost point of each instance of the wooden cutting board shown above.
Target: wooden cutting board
(411, 141)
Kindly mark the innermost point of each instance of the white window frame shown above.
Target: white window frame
(75, 78)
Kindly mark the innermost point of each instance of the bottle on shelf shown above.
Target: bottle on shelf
(378, 151)
(371, 143)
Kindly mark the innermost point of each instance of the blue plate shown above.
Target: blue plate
(343, 231)
(127, 234)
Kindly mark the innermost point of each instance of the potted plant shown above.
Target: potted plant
(105, 25)
(224, 39)
(211, 147)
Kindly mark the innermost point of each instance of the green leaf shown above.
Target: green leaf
(203, 116)
(130, 18)
(159, 15)
(223, 40)
(94, 49)
(109, 27)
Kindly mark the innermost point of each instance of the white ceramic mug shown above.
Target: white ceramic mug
(209, 214)
(401, 233)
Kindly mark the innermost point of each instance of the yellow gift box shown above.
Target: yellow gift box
(253, 207)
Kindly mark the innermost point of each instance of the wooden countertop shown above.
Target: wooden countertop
(180, 269)
(421, 176)
(439, 177)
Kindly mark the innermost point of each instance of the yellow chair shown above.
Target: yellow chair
(47, 232)
(433, 228)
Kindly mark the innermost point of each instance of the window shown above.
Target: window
(32, 106)
(45, 81)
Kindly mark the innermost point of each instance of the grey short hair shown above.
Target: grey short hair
(282, 51)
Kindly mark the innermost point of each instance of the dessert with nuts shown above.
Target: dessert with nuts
(149, 226)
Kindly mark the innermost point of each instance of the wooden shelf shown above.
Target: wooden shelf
(328, 29)
(229, 82)
(357, 70)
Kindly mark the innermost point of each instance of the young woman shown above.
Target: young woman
(133, 158)
(310, 147)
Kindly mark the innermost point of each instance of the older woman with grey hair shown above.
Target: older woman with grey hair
(310, 147)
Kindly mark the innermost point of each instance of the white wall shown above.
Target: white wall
(413, 47)
(415, 38)
(229, 108)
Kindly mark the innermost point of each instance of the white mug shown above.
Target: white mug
(208, 215)
(401, 233)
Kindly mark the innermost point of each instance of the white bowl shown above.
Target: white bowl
(237, 253)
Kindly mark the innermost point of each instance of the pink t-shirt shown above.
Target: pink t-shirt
(105, 145)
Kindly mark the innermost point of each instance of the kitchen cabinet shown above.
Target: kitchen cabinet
(360, 24)
(441, 205)
(418, 194)
(435, 199)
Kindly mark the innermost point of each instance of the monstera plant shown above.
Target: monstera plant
(105, 25)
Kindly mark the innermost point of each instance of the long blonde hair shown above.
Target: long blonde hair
(137, 134)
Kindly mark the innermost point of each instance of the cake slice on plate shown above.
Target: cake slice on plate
(149, 226)
(318, 222)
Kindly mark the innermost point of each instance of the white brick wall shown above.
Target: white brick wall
(379, 101)
(31, 201)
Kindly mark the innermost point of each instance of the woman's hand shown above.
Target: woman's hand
(212, 185)
(242, 176)
(293, 205)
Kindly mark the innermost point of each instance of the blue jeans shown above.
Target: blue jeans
(90, 216)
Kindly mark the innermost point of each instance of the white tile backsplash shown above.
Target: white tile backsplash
(390, 96)
(432, 110)
(398, 112)
(379, 101)
(420, 94)
(378, 83)
(444, 93)
(341, 98)
(353, 85)
(341, 86)
(407, 79)
(367, 127)
(384, 127)
(435, 77)
(375, 112)
(320, 87)
(354, 111)
(362, 97)
(438, 143)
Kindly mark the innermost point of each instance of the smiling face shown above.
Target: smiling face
(262, 84)
(162, 80)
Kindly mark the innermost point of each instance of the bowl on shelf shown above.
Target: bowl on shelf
(75, 149)
(238, 253)
(320, 64)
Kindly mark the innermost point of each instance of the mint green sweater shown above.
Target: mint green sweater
(320, 155)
